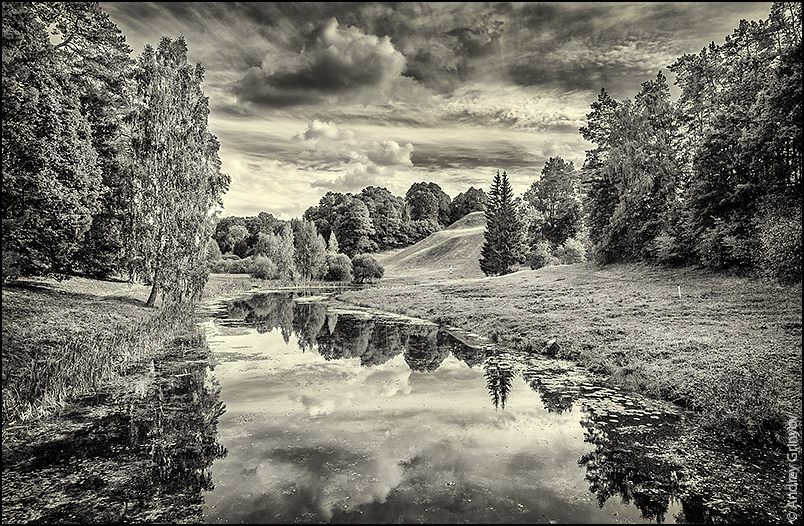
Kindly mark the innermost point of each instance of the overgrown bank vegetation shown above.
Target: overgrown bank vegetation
(64, 343)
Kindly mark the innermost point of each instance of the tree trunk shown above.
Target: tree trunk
(154, 291)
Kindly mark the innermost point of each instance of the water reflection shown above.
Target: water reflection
(142, 456)
(323, 473)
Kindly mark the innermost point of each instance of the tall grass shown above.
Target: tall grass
(77, 365)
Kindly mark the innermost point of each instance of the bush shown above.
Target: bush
(541, 256)
(339, 268)
(779, 231)
(230, 257)
(263, 268)
(219, 267)
(667, 251)
(572, 251)
(366, 268)
(727, 246)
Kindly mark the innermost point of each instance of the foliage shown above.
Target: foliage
(353, 227)
(502, 246)
(213, 251)
(332, 244)
(51, 178)
(742, 403)
(635, 171)
(95, 53)
(540, 255)
(279, 248)
(339, 268)
(309, 254)
(236, 239)
(779, 227)
(571, 251)
(427, 201)
(366, 268)
(685, 183)
(473, 200)
(177, 181)
(388, 214)
(555, 199)
(262, 267)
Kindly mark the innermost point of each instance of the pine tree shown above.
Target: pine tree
(502, 246)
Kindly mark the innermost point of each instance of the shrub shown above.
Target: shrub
(339, 268)
(262, 267)
(779, 231)
(219, 267)
(230, 257)
(572, 251)
(366, 268)
(727, 245)
(541, 256)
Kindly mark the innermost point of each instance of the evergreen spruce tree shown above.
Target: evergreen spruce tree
(502, 246)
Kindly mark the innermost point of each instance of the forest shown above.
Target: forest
(109, 169)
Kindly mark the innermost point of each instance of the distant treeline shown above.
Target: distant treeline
(370, 221)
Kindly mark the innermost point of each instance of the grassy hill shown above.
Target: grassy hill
(447, 254)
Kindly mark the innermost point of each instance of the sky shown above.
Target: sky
(310, 98)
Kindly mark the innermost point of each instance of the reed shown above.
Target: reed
(76, 365)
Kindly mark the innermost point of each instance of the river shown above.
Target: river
(337, 414)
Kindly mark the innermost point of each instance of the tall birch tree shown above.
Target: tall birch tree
(176, 173)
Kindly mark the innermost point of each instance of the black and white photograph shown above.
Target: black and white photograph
(401, 262)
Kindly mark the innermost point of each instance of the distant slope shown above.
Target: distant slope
(453, 252)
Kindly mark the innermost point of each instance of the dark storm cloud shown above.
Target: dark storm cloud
(334, 61)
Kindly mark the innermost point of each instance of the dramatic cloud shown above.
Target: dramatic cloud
(335, 64)
(308, 97)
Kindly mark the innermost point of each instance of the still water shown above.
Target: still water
(334, 414)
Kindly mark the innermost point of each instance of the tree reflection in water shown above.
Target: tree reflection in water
(624, 462)
(499, 374)
(138, 454)
(176, 424)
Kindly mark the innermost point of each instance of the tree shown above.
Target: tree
(279, 248)
(602, 195)
(745, 129)
(353, 227)
(339, 268)
(309, 250)
(473, 200)
(332, 244)
(96, 57)
(556, 198)
(636, 172)
(428, 202)
(177, 182)
(366, 268)
(236, 240)
(51, 179)
(502, 245)
(388, 214)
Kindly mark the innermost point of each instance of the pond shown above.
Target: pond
(336, 414)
